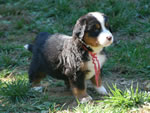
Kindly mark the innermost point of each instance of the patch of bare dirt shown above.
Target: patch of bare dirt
(66, 98)
(123, 83)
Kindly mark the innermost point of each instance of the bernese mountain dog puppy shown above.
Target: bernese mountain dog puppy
(69, 58)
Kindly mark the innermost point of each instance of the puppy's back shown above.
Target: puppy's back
(54, 45)
(49, 46)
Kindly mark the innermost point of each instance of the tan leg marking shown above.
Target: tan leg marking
(37, 81)
(78, 93)
(94, 81)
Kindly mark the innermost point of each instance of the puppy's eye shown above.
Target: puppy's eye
(106, 25)
(97, 28)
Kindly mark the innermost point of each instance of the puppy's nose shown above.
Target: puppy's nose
(109, 38)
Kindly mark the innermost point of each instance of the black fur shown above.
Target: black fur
(59, 57)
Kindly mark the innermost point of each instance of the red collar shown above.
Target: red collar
(96, 67)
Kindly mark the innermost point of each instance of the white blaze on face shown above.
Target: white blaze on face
(105, 33)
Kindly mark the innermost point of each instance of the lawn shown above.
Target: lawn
(126, 73)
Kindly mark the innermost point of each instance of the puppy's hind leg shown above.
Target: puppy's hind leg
(36, 75)
(35, 78)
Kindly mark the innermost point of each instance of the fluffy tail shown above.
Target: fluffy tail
(28, 47)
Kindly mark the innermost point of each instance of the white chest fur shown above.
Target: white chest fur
(90, 65)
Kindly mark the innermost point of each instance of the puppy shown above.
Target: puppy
(75, 58)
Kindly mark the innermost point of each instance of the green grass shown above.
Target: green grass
(117, 102)
(128, 57)
(131, 57)
(15, 90)
(126, 99)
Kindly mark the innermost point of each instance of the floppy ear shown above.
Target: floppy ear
(79, 28)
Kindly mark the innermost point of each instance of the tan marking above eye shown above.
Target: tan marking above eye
(106, 24)
(92, 41)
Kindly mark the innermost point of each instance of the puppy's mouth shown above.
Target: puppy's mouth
(105, 42)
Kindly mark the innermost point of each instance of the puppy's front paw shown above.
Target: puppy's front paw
(85, 99)
(101, 90)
